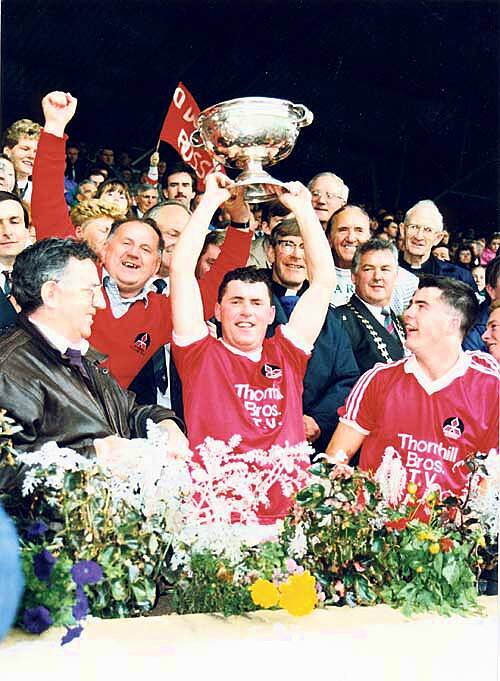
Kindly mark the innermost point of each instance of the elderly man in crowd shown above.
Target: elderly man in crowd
(422, 229)
(373, 328)
(435, 407)
(244, 383)
(328, 194)
(52, 383)
(347, 228)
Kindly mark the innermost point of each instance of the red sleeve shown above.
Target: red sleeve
(234, 253)
(363, 402)
(49, 210)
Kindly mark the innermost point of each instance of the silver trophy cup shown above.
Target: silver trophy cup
(250, 133)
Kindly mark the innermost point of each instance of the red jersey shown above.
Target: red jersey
(433, 425)
(131, 340)
(226, 393)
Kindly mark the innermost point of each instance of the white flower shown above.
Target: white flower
(391, 476)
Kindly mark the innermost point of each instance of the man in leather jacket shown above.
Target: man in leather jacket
(51, 381)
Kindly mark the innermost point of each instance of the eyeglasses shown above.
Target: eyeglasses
(91, 290)
(290, 246)
(413, 229)
(317, 194)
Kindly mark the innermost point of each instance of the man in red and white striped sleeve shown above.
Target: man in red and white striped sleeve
(436, 406)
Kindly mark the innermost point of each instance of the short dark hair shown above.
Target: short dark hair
(373, 245)
(9, 196)
(249, 275)
(145, 221)
(340, 210)
(456, 294)
(288, 227)
(180, 168)
(492, 273)
(44, 261)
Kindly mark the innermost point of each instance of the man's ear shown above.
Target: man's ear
(48, 293)
(490, 291)
(271, 257)
(79, 232)
(217, 312)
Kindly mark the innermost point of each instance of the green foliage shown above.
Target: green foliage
(211, 587)
(58, 594)
(363, 552)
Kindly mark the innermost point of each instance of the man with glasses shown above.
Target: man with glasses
(422, 229)
(332, 369)
(51, 381)
(328, 194)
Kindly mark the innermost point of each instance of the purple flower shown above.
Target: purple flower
(86, 572)
(36, 620)
(36, 529)
(43, 564)
(71, 634)
(81, 607)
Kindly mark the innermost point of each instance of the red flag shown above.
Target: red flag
(178, 125)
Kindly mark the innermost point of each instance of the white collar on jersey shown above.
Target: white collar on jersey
(412, 366)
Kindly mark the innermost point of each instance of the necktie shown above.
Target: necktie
(160, 285)
(75, 359)
(388, 323)
(7, 287)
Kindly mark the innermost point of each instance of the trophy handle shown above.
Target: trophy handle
(305, 117)
(195, 139)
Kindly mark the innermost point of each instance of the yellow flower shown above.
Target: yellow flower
(419, 569)
(434, 548)
(264, 593)
(481, 542)
(298, 594)
(423, 535)
(412, 488)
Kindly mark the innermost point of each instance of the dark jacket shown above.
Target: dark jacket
(473, 340)
(7, 314)
(367, 345)
(441, 268)
(51, 400)
(331, 373)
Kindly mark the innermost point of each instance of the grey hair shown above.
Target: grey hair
(428, 205)
(373, 245)
(343, 187)
(153, 212)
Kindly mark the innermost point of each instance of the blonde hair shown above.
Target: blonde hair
(91, 209)
(494, 306)
(22, 128)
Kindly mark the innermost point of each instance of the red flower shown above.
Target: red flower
(446, 544)
(398, 525)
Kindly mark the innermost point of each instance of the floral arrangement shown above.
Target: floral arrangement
(108, 537)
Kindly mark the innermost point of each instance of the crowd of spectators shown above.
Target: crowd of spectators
(335, 289)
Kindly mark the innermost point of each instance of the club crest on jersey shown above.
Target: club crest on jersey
(453, 427)
(142, 342)
(271, 371)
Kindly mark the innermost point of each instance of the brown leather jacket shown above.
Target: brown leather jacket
(51, 400)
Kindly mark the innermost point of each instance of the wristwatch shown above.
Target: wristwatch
(240, 225)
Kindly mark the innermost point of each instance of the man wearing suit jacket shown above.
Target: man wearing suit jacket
(375, 332)
(14, 238)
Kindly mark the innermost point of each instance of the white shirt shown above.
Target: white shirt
(58, 341)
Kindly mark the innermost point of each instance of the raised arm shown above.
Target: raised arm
(234, 251)
(48, 206)
(309, 314)
(187, 307)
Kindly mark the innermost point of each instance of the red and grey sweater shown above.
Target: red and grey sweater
(131, 340)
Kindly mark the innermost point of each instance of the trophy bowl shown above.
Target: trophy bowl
(248, 134)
